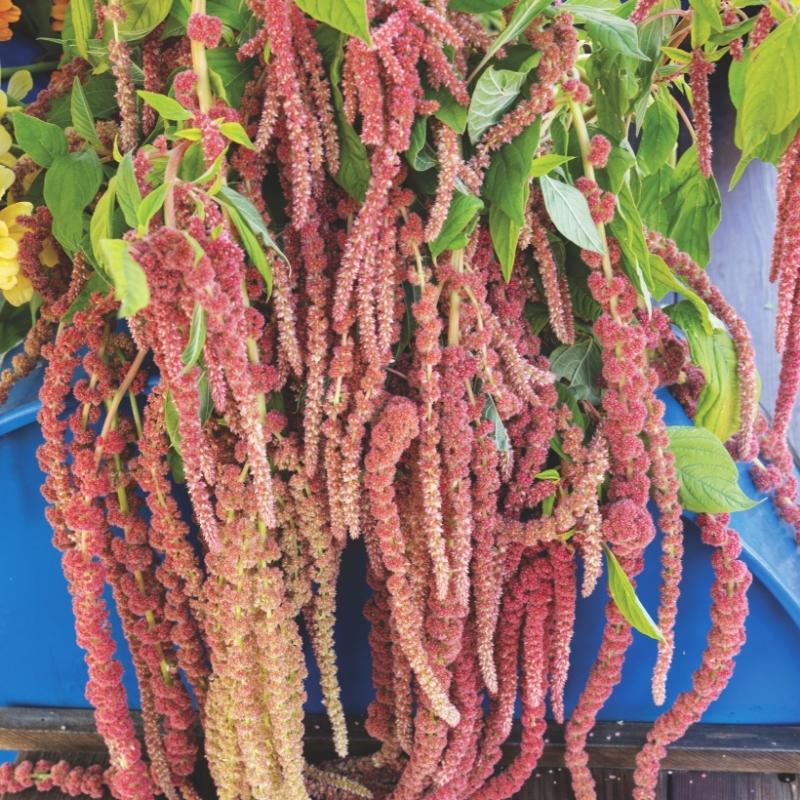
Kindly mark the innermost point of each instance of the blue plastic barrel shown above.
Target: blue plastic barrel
(44, 666)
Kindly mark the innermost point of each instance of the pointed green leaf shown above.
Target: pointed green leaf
(42, 141)
(150, 206)
(507, 184)
(569, 211)
(82, 118)
(772, 87)
(499, 434)
(166, 107)
(505, 236)
(494, 92)
(128, 195)
(624, 596)
(251, 216)
(197, 339)
(102, 223)
(347, 16)
(523, 14)
(461, 220)
(608, 30)
(542, 165)
(70, 185)
(659, 133)
(709, 480)
(130, 282)
(236, 133)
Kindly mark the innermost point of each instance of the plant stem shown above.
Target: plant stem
(35, 69)
(454, 326)
(585, 145)
(200, 64)
(117, 399)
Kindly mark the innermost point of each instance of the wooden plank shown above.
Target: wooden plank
(728, 786)
(722, 748)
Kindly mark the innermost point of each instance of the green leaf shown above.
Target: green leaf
(82, 119)
(150, 206)
(166, 107)
(626, 227)
(569, 211)
(233, 74)
(705, 20)
(354, 168)
(718, 406)
(494, 92)
(659, 133)
(347, 16)
(128, 195)
(523, 14)
(99, 93)
(499, 434)
(419, 154)
(197, 338)
(507, 184)
(15, 322)
(102, 223)
(461, 220)
(450, 111)
(251, 215)
(542, 165)
(608, 30)
(696, 207)
(252, 247)
(236, 133)
(624, 596)
(737, 77)
(81, 16)
(42, 141)
(664, 280)
(772, 87)
(505, 236)
(579, 365)
(127, 275)
(70, 185)
(707, 473)
(477, 6)
(142, 16)
(172, 421)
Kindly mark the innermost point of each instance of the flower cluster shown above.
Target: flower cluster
(425, 364)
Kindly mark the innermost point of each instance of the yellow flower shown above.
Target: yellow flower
(9, 14)
(58, 13)
(49, 256)
(16, 288)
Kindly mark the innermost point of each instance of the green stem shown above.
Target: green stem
(200, 64)
(35, 69)
(585, 145)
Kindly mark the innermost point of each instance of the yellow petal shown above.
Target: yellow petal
(8, 267)
(8, 282)
(8, 248)
(3, 103)
(7, 160)
(3, 229)
(11, 212)
(22, 293)
(5, 141)
(7, 179)
(49, 255)
(20, 83)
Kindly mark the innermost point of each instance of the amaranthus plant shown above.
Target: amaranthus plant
(400, 271)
